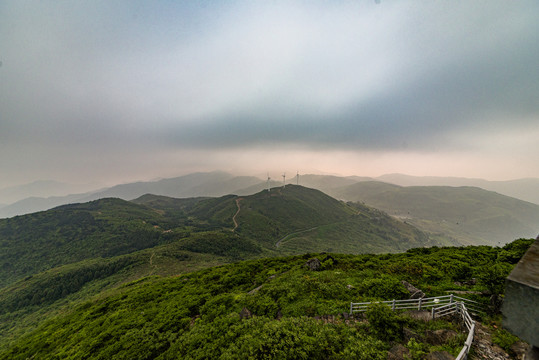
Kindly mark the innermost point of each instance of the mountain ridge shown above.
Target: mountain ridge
(526, 189)
(219, 183)
(111, 227)
(471, 215)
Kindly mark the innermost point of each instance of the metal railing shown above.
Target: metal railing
(440, 306)
(420, 304)
(470, 326)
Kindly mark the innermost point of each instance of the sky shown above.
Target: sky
(117, 91)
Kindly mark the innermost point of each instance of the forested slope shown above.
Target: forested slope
(107, 228)
(196, 316)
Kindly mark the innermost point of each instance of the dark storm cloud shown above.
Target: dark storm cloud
(421, 114)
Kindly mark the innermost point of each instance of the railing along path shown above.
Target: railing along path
(439, 306)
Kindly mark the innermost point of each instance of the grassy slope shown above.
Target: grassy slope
(304, 219)
(72, 233)
(110, 227)
(196, 315)
(106, 228)
(65, 254)
(285, 213)
(367, 231)
(39, 241)
(267, 216)
(27, 302)
(466, 214)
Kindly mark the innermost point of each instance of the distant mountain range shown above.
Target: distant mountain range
(192, 185)
(523, 189)
(45, 195)
(42, 189)
(451, 210)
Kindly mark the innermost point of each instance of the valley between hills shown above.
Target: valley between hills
(165, 277)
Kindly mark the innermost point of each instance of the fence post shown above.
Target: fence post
(432, 313)
(451, 299)
(419, 307)
(351, 307)
(393, 305)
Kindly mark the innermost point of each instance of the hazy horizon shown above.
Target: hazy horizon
(275, 175)
(115, 92)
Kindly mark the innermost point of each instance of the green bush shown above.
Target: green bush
(492, 277)
(385, 287)
(417, 350)
(504, 339)
(265, 338)
(384, 323)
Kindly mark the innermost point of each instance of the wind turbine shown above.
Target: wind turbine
(268, 182)
(297, 178)
(284, 179)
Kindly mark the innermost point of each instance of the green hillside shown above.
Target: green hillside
(267, 216)
(295, 219)
(71, 233)
(287, 220)
(466, 215)
(107, 228)
(197, 315)
(52, 258)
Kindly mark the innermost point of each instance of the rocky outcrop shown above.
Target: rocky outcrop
(397, 352)
(313, 264)
(415, 293)
(245, 313)
(484, 348)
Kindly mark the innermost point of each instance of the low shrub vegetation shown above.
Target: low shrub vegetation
(197, 316)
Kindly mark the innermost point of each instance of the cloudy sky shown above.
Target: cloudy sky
(116, 91)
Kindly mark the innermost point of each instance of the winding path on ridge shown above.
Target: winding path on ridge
(236, 214)
(278, 243)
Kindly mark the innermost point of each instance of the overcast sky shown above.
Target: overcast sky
(116, 91)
